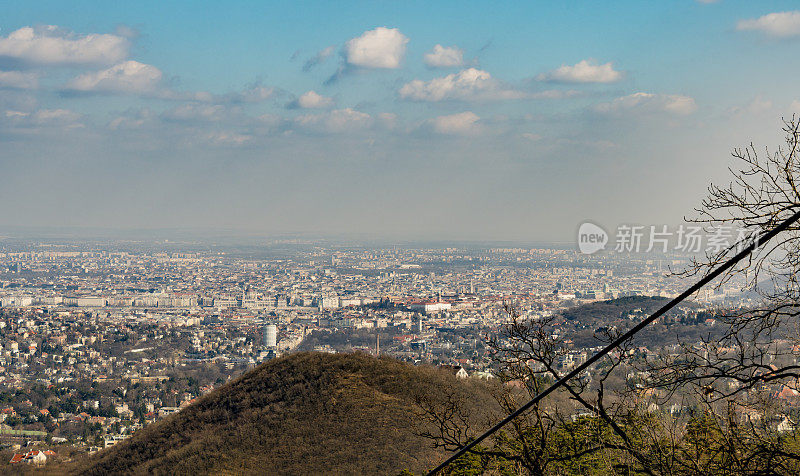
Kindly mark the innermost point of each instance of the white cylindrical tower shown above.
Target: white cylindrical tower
(270, 335)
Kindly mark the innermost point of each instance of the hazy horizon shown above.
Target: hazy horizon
(236, 237)
(407, 121)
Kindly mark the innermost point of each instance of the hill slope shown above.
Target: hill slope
(306, 413)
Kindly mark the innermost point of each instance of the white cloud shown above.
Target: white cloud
(338, 120)
(18, 80)
(779, 25)
(462, 123)
(649, 103)
(44, 117)
(312, 100)
(445, 57)
(133, 77)
(469, 84)
(585, 71)
(379, 48)
(55, 116)
(130, 77)
(51, 45)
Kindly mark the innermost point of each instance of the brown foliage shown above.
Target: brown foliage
(307, 413)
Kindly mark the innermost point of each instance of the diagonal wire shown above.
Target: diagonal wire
(764, 238)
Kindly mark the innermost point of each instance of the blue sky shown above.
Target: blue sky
(402, 120)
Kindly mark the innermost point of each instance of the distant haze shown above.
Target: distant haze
(391, 121)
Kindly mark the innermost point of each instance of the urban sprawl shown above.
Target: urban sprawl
(97, 341)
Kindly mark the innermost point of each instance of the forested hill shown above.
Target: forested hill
(307, 413)
(583, 323)
(614, 308)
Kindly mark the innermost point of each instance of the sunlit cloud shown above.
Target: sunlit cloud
(466, 85)
(639, 103)
(778, 25)
(444, 57)
(338, 120)
(585, 71)
(130, 77)
(379, 48)
(50, 45)
(312, 100)
(462, 123)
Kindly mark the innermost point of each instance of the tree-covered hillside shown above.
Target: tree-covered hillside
(308, 413)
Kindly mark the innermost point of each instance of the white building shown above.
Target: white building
(329, 302)
(91, 301)
(270, 335)
(429, 307)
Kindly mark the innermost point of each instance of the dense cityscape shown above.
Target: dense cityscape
(99, 340)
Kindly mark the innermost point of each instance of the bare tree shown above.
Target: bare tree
(753, 353)
(600, 424)
(732, 426)
(578, 429)
(759, 345)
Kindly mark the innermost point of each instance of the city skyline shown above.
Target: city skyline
(395, 121)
